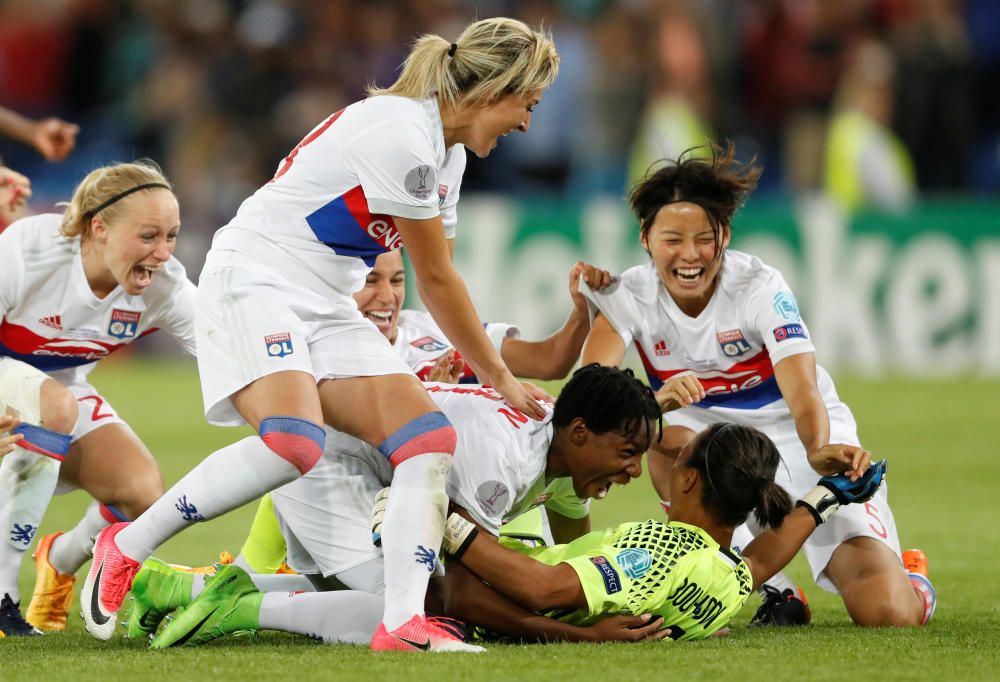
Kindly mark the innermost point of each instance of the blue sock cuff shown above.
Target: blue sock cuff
(425, 423)
(294, 426)
(44, 442)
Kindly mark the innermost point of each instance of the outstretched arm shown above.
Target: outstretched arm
(554, 357)
(53, 138)
(773, 549)
(603, 344)
(444, 293)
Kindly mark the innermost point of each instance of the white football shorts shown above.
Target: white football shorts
(253, 320)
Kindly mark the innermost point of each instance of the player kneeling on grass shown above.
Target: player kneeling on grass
(681, 572)
(505, 464)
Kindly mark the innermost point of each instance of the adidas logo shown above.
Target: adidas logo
(53, 321)
(660, 349)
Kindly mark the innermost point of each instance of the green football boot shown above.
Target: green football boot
(229, 604)
(157, 590)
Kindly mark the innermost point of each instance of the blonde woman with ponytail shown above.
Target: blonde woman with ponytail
(283, 347)
(75, 288)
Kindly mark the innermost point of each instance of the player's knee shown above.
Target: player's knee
(888, 614)
(299, 442)
(144, 488)
(59, 408)
(428, 433)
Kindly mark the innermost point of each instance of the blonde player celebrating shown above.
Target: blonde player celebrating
(75, 288)
(721, 338)
(282, 346)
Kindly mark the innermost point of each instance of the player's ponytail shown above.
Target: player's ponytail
(738, 464)
(773, 505)
(92, 196)
(491, 59)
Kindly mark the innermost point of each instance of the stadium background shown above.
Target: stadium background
(901, 290)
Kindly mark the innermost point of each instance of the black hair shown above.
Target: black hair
(718, 184)
(608, 399)
(738, 464)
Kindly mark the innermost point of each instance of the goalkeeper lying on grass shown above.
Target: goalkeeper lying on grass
(639, 581)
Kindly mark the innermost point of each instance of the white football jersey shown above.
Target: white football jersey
(50, 317)
(751, 323)
(420, 342)
(498, 472)
(329, 207)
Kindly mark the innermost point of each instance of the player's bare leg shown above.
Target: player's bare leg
(873, 584)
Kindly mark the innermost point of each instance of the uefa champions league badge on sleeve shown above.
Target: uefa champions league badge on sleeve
(732, 342)
(279, 345)
(124, 323)
(785, 306)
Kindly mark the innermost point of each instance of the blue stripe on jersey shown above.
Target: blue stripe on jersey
(335, 226)
(748, 399)
(46, 363)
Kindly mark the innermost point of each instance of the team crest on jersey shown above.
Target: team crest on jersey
(442, 194)
(492, 496)
(124, 323)
(732, 342)
(612, 581)
(279, 345)
(789, 331)
(785, 305)
(429, 344)
(634, 561)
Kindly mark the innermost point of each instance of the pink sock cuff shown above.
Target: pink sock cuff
(431, 432)
(298, 441)
(112, 514)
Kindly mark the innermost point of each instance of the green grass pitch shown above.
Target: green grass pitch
(939, 435)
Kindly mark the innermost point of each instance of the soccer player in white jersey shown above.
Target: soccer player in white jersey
(420, 342)
(505, 465)
(282, 346)
(721, 338)
(75, 288)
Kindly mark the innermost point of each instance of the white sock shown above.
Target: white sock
(284, 582)
(71, 549)
(27, 481)
(225, 480)
(411, 534)
(342, 617)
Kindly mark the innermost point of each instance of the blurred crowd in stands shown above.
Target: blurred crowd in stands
(874, 101)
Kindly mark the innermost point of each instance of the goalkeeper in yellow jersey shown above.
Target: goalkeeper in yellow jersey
(681, 571)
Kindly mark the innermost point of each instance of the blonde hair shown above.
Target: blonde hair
(102, 184)
(491, 59)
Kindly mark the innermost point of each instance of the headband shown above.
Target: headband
(122, 195)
